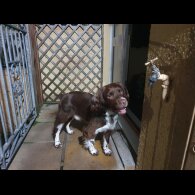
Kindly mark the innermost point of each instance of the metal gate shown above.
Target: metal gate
(70, 58)
(17, 103)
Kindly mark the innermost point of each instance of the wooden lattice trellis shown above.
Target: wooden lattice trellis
(70, 58)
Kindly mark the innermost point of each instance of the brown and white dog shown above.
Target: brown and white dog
(99, 113)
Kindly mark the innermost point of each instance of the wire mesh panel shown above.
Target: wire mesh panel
(17, 104)
(70, 58)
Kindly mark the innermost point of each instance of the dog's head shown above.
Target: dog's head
(113, 97)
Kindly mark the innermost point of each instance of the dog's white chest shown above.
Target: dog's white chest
(111, 121)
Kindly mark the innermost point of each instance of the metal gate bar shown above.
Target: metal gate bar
(70, 58)
(17, 102)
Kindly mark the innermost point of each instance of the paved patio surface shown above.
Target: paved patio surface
(38, 152)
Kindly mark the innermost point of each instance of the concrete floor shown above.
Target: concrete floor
(38, 152)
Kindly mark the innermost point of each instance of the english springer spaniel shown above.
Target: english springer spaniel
(99, 114)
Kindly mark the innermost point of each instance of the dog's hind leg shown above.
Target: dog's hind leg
(61, 120)
(57, 136)
(68, 129)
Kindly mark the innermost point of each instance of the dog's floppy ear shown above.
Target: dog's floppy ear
(124, 89)
(97, 102)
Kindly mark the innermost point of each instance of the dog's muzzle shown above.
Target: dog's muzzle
(122, 102)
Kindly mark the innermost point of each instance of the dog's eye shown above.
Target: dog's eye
(120, 91)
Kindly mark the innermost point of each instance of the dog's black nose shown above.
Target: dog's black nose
(123, 101)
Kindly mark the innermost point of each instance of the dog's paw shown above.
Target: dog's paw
(58, 144)
(93, 151)
(107, 151)
(89, 145)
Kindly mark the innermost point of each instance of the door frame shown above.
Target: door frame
(186, 164)
(121, 50)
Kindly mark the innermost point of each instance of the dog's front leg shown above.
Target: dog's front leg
(89, 144)
(106, 136)
(89, 135)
